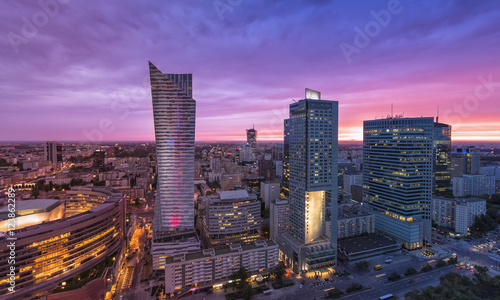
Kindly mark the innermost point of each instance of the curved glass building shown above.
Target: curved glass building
(50, 252)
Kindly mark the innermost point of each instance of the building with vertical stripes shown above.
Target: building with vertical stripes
(52, 152)
(397, 177)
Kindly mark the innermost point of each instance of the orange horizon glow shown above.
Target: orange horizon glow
(358, 137)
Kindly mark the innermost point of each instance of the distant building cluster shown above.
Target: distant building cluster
(457, 214)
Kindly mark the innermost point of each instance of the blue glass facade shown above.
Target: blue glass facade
(397, 177)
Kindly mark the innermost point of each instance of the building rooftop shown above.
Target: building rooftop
(364, 243)
(114, 197)
(475, 175)
(354, 215)
(173, 237)
(280, 201)
(230, 195)
(217, 252)
(27, 207)
(461, 200)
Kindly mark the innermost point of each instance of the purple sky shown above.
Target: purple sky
(78, 70)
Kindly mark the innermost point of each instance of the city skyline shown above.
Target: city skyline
(261, 51)
(287, 149)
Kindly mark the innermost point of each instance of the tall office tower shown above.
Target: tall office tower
(252, 138)
(267, 169)
(99, 156)
(464, 161)
(246, 154)
(174, 121)
(53, 152)
(441, 157)
(286, 158)
(59, 155)
(397, 177)
(313, 153)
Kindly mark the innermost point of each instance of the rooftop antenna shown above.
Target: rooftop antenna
(437, 118)
(392, 110)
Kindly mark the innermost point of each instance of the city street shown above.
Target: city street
(133, 289)
(476, 256)
(374, 286)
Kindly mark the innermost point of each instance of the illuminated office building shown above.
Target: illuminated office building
(32, 212)
(285, 180)
(99, 156)
(53, 152)
(57, 248)
(233, 217)
(397, 177)
(442, 151)
(464, 161)
(252, 138)
(313, 155)
(211, 266)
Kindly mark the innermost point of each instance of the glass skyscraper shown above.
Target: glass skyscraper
(397, 177)
(442, 152)
(174, 122)
(252, 138)
(286, 158)
(313, 165)
(312, 142)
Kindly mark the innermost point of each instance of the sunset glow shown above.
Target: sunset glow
(81, 70)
